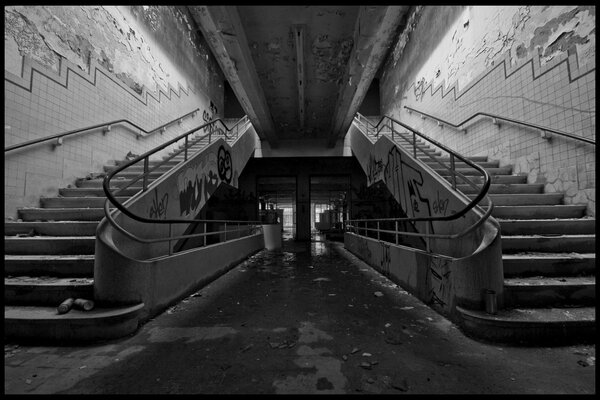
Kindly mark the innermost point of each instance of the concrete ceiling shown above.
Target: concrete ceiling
(300, 72)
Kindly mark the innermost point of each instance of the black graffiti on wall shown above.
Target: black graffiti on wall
(374, 169)
(386, 259)
(158, 208)
(438, 280)
(197, 183)
(224, 165)
(209, 116)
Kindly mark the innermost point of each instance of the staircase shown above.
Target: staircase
(49, 257)
(548, 255)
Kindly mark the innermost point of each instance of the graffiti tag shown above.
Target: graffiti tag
(158, 209)
(440, 206)
(440, 285)
(224, 165)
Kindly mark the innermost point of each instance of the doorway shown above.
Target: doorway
(277, 202)
(329, 206)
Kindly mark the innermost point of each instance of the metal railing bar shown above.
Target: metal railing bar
(89, 128)
(510, 120)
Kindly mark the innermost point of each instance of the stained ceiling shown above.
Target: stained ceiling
(300, 72)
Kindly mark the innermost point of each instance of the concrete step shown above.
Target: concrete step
(461, 164)
(532, 326)
(473, 172)
(139, 168)
(43, 323)
(554, 243)
(94, 192)
(50, 245)
(49, 265)
(496, 179)
(548, 264)
(539, 212)
(61, 214)
(515, 188)
(76, 202)
(547, 226)
(45, 290)
(127, 174)
(519, 199)
(58, 228)
(114, 183)
(549, 291)
(446, 159)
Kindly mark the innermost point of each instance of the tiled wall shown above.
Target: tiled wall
(559, 94)
(40, 103)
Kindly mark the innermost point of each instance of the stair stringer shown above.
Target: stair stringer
(126, 271)
(456, 271)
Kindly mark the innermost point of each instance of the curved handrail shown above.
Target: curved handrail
(110, 198)
(107, 126)
(513, 121)
(474, 203)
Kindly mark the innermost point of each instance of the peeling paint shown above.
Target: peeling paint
(331, 57)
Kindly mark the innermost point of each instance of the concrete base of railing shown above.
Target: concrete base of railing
(440, 281)
(163, 281)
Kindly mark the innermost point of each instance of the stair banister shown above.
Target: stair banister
(107, 127)
(496, 118)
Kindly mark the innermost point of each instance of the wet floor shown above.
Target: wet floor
(308, 319)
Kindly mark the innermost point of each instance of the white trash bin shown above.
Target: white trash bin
(272, 235)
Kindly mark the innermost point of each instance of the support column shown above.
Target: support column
(303, 207)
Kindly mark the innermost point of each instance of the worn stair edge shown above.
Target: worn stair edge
(79, 202)
(495, 188)
(548, 264)
(44, 265)
(56, 228)
(474, 159)
(540, 226)
(94, 192)
(538, 212)
(549, 291)
(64, 214)
(497, 179)
(524, 199)
(24, 323)
(48, 292)
(550, 243)
(50, 245)
(115, 183)
(531, 327)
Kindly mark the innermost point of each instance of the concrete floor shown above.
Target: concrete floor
(308, 319)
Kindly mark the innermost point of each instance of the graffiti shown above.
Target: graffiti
(440, 206)
(209, 116)
(385, 259)
(224, 165)
(419, 89)
(439, 283)
(197, 183)
(406, 185)
(158, 209)
(374, 170)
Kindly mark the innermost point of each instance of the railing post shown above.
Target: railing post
(396, 232)
(145, 179)
(205, 234)
(225, 232)
(453, 168)
(185, 149)
(427, 244)
(377, 230)
(414, 144)
(170, 233)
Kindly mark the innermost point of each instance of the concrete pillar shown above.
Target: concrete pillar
(303, 207)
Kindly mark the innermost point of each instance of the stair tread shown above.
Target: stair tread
(549, 236)
(47, 281)
(535, 255)
(41, 257)
(555, 281)
(38, 237)
(16, 312)
(537, 315)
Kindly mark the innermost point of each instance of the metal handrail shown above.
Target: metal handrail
(110, 198)
(107, 127)
(495, 118)
(474, 203)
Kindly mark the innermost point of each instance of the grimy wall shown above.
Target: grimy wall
(533, 64)
(68, 67)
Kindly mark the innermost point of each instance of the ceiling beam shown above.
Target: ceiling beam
(224, 32)
(300, 81)
(374, 32)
